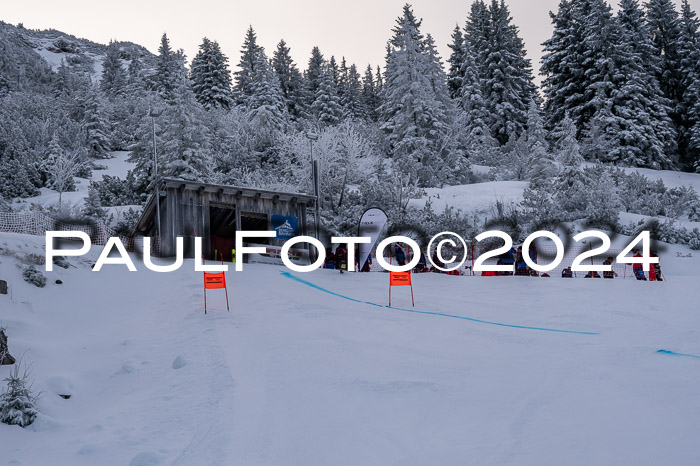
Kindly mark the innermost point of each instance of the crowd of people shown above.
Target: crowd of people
(337, 259)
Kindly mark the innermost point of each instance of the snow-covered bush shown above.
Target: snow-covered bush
(680, 201)
(694, 242)
(67, 212)
(33, 276)
(61, 262)
(17, 404)
(602, 210)
(665, 231)
(114, 191)
(127, 222)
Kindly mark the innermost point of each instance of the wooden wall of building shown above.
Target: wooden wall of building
(186, 211)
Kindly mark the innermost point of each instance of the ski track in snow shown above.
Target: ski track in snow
(439, 314)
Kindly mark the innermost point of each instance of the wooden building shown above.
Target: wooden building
(217, 212)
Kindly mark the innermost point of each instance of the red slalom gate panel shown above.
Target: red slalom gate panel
(400, 278)
(214, 281)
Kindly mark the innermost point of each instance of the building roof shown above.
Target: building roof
(149, 209)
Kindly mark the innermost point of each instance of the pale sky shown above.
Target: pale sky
(356, 29)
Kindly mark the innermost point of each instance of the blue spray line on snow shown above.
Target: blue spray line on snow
(673, 353)
(320, 288)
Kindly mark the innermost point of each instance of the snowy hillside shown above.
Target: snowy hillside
(80, 55)
(498, 371)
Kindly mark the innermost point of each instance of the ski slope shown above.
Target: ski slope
(297, 373)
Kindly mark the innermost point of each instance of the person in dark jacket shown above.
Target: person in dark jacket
(421, 266)
(367, 264)
(520, 265)
(341, 258)
(330, 259)
(437, 262)
(611, 273)
(567, 273)
(509, 257)
(400, 255)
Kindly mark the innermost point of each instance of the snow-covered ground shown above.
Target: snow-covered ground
(315, 369)
(295, 375)
(473, 197)
(671, 179)
(483, 196)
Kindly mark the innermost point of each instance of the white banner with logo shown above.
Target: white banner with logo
(273, 255)
(371, 225)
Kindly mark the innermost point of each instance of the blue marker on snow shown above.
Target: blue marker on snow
(673, 353)
(439, 314)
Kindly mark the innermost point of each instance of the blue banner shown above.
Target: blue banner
(286, 227)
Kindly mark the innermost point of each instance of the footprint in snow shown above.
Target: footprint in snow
(179, 363)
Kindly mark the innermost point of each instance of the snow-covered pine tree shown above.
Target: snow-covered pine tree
(352, 99)
(508, 86)
(562, 67)
(313, 75)
(456, 62)
(631, 18)
(471, 102)
(594, 67)
(370, 96)
(167, 73)
(650, 138)
(570, 192)
(326, 107)
(95, 125)
(600, 142)
(414, 116)
(688, 110)
(113, 80)
(694, 142)
(210, 76)
(185, 148)
(540, 163)
(478, 34)
(266, 105)
(664, 27)
(17, 403)
(437, 76)
(135, 71)
(65, 82)
(334, 69)
(379, 83)
(568, 150)
(244, 78)
(141, 150)
(290, 80)
(52, 154)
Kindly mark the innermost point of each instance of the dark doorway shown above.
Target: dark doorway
(222, 222)
(251, 221)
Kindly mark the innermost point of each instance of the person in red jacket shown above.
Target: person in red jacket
(656, 268)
